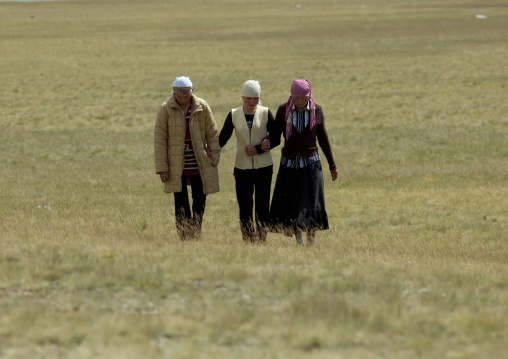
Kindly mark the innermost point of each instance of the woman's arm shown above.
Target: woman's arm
(160, 139)
(212, 138)
(324, 143)
(276, 126)
(226, 131)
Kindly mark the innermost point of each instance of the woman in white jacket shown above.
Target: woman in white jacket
(253, 161)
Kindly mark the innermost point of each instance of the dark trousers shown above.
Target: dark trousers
(254, 183)
(188, 225)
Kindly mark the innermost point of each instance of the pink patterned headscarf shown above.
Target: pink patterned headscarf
(299, 88)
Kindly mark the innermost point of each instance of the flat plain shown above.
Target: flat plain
(415, 262)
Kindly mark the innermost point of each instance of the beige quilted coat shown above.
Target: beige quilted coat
(169, 136)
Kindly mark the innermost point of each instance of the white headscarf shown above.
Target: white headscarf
(181, 82)
(251, 88)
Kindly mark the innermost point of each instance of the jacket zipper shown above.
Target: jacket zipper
(250, 142)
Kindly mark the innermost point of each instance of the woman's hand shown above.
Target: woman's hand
(251, 150)
(265, 145)
(164, 176)
(335, 173)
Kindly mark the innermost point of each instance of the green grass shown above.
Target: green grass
(414, 264)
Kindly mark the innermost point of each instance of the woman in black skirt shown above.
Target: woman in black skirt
(298, 202)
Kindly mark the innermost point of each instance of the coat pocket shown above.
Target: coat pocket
(211, 179)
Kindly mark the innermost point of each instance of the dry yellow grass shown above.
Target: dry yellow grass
(414, 264)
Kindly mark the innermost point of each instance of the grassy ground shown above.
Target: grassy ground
(414, 265)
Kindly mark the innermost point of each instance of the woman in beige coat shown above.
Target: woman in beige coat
(187, 152)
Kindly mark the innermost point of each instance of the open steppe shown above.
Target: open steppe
(415, 262)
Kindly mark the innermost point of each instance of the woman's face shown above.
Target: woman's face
(250, 103)
(300, 101)
(183, 98)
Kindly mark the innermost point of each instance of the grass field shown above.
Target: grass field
(415, 262)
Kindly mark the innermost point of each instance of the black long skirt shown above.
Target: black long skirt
(299, 200)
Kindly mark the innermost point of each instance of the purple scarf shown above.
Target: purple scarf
(299, 88)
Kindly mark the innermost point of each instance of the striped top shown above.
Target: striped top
(299, 162)
(300, 121)
(190, 165)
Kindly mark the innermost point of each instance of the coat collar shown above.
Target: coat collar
(196, 104)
